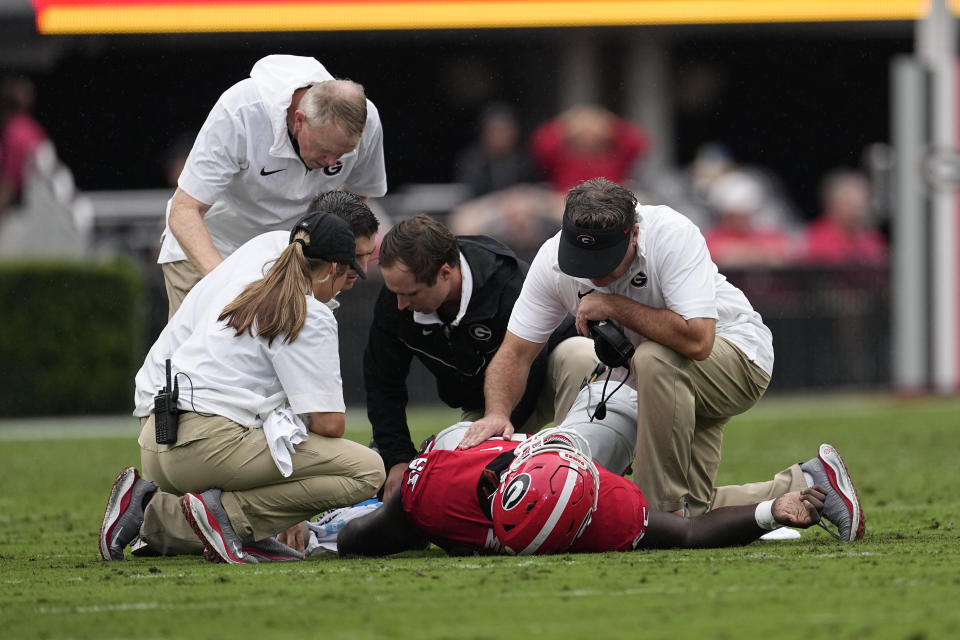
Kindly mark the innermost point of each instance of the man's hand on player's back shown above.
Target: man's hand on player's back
(485, 428)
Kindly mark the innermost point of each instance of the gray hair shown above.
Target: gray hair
(341, 101)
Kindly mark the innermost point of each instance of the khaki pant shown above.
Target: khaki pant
(178, 278)
(217, 452)
(682, 407)
(569, 363)
(790, 479)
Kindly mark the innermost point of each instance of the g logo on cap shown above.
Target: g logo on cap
(586, 240)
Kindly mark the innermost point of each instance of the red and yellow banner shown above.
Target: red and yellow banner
(180, 16)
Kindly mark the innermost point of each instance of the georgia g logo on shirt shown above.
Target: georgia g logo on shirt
(480, 332)
(333, 169)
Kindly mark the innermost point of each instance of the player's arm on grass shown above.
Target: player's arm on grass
(394, 477)
(186, 224)
(504, 384)
(731, 526)
(380, 533)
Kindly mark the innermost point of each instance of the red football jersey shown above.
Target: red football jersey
(440, 495)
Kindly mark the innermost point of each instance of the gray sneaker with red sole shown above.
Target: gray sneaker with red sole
(842, 506)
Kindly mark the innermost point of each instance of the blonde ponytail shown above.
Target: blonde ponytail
(276, 304)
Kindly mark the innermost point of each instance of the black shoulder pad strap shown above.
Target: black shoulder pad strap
(490, 481)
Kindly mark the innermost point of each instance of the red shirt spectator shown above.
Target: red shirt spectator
(733, 247)
(19, 137)
(736, 240)
(587, 142)
(828, 242)
(842, 235)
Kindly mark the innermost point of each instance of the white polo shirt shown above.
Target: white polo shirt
(672, 270)
(244, 164)
(243, 378)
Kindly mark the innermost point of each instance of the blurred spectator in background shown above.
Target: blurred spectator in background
(738, 239)
(521, 217)
(842, 233)
(711, 162)
(688, 190)
(20, 135)
(585, 142)
(496, 160)
(685, 189)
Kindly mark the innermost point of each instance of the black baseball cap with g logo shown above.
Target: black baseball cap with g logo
(330, 239)
(592, 253)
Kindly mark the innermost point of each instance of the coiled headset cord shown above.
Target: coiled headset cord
(601, 411)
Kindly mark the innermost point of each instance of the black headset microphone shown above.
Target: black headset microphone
(601, 411)
(614, 350)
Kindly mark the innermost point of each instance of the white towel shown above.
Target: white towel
(323, 530)
(283, 428)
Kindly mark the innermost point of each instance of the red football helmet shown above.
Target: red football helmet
(547, 495)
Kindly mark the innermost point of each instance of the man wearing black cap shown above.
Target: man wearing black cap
(702, 353)
(362, 222)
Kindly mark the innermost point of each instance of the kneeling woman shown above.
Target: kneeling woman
(254, 345)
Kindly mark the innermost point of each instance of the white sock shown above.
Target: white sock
(809, 479)
(763, 515)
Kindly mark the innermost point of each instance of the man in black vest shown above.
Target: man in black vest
(447, 301)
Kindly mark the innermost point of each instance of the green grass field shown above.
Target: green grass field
(901, 581)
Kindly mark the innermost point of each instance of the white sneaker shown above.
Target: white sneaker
(782, 533)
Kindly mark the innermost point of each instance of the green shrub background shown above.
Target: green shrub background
(71, 336)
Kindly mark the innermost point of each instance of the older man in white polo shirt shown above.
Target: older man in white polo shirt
(271, 144)
(702, 353)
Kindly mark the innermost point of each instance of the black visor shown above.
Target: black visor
(592, 253)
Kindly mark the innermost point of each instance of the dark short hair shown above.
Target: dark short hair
(423, 245)
(600, 204)
(351, 208)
